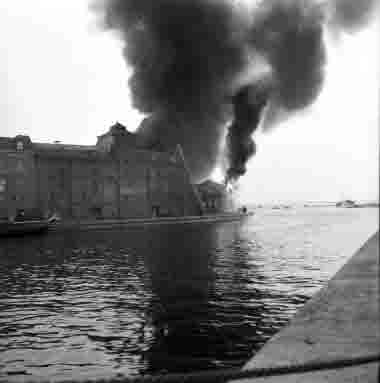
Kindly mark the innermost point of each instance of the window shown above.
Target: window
(61, 178)
(95, 187)
(20, 165)
(3, 184)
(19, 146)
(3, 187)
(96, 211)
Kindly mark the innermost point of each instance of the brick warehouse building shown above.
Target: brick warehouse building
(116, 178)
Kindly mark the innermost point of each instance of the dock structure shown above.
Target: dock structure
(342, 321)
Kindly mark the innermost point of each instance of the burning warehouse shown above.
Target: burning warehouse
(202, 67)
(201, 70)
(116, 178)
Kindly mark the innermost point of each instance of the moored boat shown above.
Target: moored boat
(8, 228)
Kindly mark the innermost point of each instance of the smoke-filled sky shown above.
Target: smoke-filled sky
(64, 79)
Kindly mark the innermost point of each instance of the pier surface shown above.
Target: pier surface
(342, 321)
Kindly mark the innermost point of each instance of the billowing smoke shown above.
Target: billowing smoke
(194, 67)
(288, 34)
(350, 15)
(185, 55)
(248, 103)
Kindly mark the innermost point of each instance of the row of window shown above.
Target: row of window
(17, 164)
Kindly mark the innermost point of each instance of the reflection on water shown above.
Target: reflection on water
(170, 298)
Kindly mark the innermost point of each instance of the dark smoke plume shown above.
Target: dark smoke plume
(248, 103)
(289, 35)
(189, 58)
(185, 55)
(350, 15)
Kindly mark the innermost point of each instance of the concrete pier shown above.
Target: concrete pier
(341, 321)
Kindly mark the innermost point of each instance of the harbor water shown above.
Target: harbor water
(164, 298)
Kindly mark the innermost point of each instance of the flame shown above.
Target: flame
(229, 187)
(217, 175)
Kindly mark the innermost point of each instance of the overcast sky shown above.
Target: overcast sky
(63, 79)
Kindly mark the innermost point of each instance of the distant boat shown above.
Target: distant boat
(8, 228)
(346, 203)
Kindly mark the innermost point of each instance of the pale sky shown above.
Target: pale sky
(63, 79)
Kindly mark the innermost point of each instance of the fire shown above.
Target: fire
(229, 187)
(217, 175)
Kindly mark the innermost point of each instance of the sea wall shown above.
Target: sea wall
(341, 321)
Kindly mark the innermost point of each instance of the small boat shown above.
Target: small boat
(346, 203)
(9, 228)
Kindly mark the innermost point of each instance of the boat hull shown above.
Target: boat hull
(23, 228)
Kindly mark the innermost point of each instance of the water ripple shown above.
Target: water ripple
(169, 298)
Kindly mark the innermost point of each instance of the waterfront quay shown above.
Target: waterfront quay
(340, 322)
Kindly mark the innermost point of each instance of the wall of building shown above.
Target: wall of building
(112, 180)
(18, 184)
(77, 187)
(215, 198)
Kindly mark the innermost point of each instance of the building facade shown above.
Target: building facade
(215, 198)
(116, 178)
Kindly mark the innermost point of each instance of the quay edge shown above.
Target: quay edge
(341, 321)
